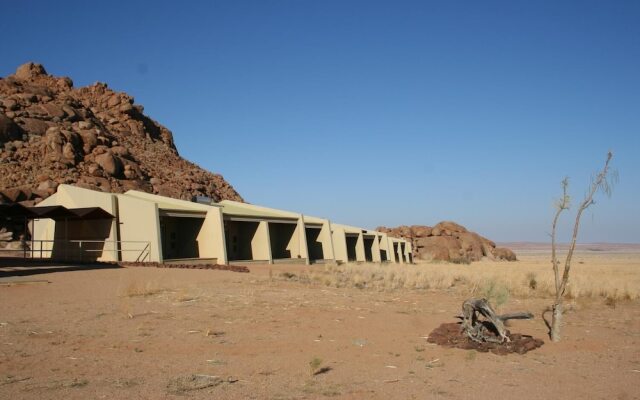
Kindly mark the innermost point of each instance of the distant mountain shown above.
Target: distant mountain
(93, 137)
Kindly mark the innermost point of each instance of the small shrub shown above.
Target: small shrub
(532, 282)
(461, 260)
(288, 275)
(136, 289)
(611, 301)
(495, 293)
(314, 365)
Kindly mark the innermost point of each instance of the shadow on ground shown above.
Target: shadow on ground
(14, 267)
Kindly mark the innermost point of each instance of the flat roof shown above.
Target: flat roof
(255, 210)
(169, 203)
(348, 228)
(236, 208)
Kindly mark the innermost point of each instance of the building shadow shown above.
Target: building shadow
(15, 267)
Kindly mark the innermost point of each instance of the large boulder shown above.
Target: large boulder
(449, 241)
(29, 70)
(62, 146)
(502, 253)
(471, 244)
(438, 248)
(9, 130)
(54, 110)
(110, 163)
(447, 228)
(35, 126)
(420, 231)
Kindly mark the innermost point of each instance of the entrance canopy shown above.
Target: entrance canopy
(56, 213)
(16, 210)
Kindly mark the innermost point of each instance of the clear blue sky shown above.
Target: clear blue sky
(374, 113)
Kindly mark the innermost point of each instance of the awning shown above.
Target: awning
(15, 210)
(57, 213)
(235, 218)
(91, 213)
(182, 214)
(53, 212)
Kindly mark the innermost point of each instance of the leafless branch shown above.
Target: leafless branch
(598, 183)
(561, 205)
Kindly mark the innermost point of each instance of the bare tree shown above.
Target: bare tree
(600, 182)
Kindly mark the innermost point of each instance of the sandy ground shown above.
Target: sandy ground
(129, 333)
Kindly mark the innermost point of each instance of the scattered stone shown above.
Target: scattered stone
(34, 126)
(9, 130)
(48, 186)
(222, 267)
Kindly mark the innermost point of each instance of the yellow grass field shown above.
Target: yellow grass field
(612, 276)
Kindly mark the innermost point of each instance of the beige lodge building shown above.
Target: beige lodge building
(138, 226)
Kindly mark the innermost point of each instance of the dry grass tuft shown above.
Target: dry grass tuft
(143, 289)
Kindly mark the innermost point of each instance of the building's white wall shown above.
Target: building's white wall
(360, 256)
(339, 244)
(375, 250)
(302, 240)
(44, 229)
(383, 243)
(139, 222)
(260, 244)
(327, 241)
(294, 243)
(74, 197)
(211, 242)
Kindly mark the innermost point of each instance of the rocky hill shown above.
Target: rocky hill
(93, 137)
(448, 241)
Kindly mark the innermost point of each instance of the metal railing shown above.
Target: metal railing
(84, 250)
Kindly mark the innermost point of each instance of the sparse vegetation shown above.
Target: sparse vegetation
(461, 260)
(531, 280)
(314, 365)
(495, 280)
(316, 388)
(495, 291)
(287, 275)
(143, 289)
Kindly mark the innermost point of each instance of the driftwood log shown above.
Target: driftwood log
(489, 328)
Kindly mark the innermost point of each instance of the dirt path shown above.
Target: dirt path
(143, 333)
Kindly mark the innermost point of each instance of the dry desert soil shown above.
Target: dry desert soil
(147, 333)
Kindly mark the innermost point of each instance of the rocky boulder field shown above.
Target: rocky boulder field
(92, 137)
(448, 241)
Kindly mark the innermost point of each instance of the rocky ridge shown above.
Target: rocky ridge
(92, 137)
(448, 241)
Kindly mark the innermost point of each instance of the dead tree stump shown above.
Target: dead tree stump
(491, 328)
(483, 330)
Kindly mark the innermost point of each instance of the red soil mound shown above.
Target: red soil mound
(449, 335)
